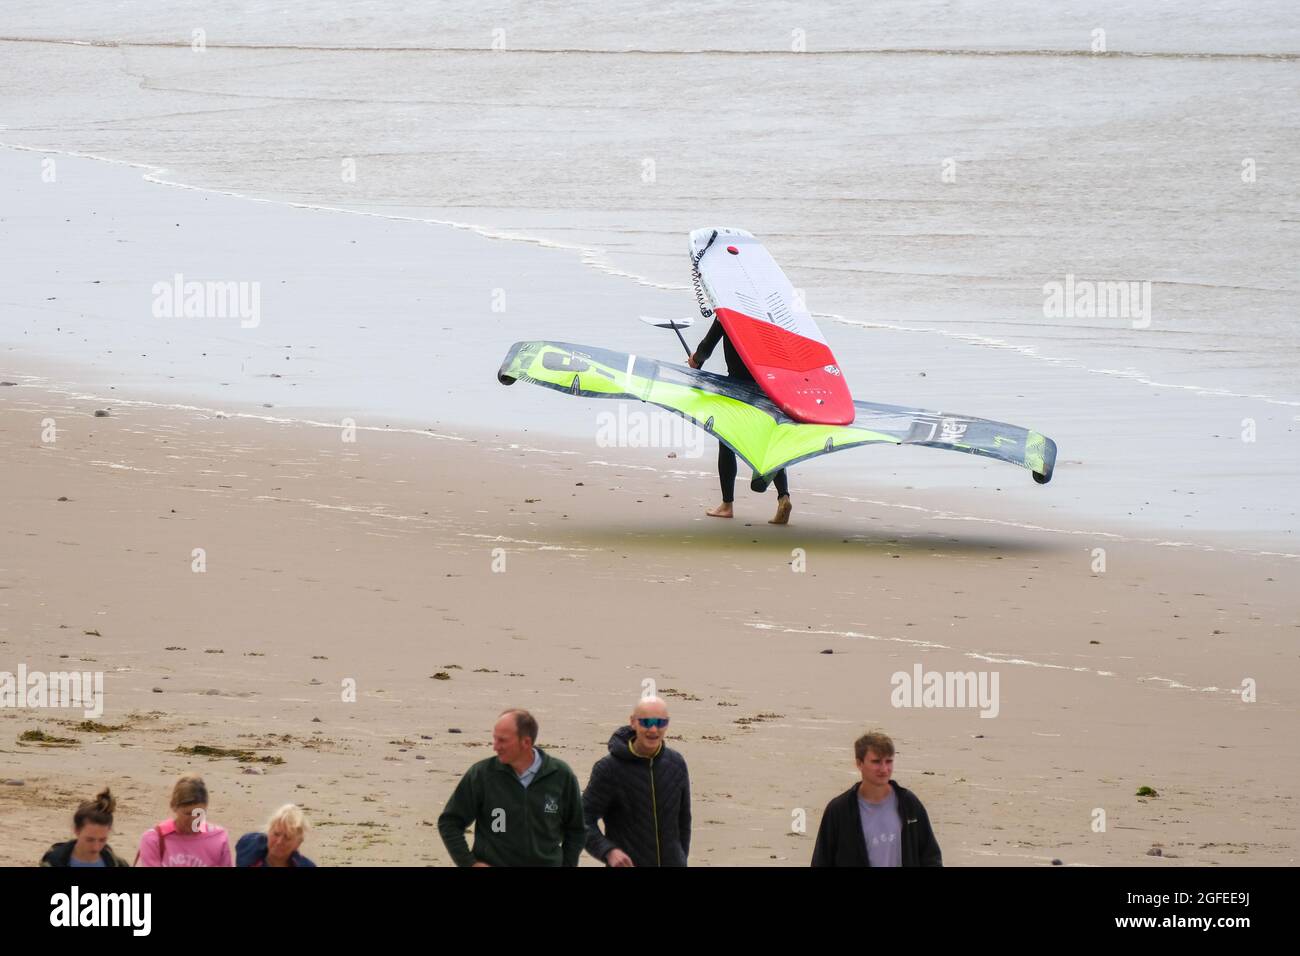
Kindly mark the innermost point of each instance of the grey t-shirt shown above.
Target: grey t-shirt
(882, 829)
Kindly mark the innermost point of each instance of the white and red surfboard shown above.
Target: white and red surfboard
(770, 327)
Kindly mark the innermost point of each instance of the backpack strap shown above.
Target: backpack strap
(162, 846)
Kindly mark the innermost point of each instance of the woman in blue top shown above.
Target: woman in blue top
(92, 823)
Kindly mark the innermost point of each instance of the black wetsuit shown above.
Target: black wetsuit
(735, 369)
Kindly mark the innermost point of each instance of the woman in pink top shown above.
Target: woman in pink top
(187, 839)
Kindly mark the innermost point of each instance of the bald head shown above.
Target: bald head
(650, 707)
(648, 740)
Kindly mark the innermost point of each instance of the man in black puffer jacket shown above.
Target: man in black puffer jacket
(643, 793)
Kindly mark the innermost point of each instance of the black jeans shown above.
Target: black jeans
(727, 475)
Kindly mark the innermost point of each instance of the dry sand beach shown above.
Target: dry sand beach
(188, 509)
(374, 561)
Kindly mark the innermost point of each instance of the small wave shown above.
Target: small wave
(988, 657)
(544, 451)
(699, 51)
(119, 466)
(762, 626)
(76, 394)
(590, 256)
(372, 512)
(598, 259)
(537, 545)
(1181, 686)
(1023, 662)
(1031, 351)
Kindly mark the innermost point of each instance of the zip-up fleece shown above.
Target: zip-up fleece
(540, 825)
(840, 841)
(644, 801)
(61, 855)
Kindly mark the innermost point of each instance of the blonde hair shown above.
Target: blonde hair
(189, 791)
(289, 818)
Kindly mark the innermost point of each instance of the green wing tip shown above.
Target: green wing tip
(508, 365)
(1040, 457)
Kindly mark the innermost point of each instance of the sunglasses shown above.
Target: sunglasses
(651, 722)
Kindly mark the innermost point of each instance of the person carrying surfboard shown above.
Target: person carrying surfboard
(726, 457)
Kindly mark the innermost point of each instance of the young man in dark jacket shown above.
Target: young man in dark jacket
(525, 805)
(642, 791)
(877, 822)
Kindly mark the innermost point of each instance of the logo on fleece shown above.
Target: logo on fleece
(551, 805)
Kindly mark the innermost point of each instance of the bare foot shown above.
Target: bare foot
(721, 511)
(783, 509)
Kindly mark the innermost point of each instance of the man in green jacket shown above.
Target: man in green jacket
(525, 805)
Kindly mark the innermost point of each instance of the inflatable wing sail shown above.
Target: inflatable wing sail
(743, 418)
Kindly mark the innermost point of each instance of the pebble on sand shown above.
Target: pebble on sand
(101, 413)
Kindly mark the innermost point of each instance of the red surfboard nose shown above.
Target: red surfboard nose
(819, 399)
(733, 250)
